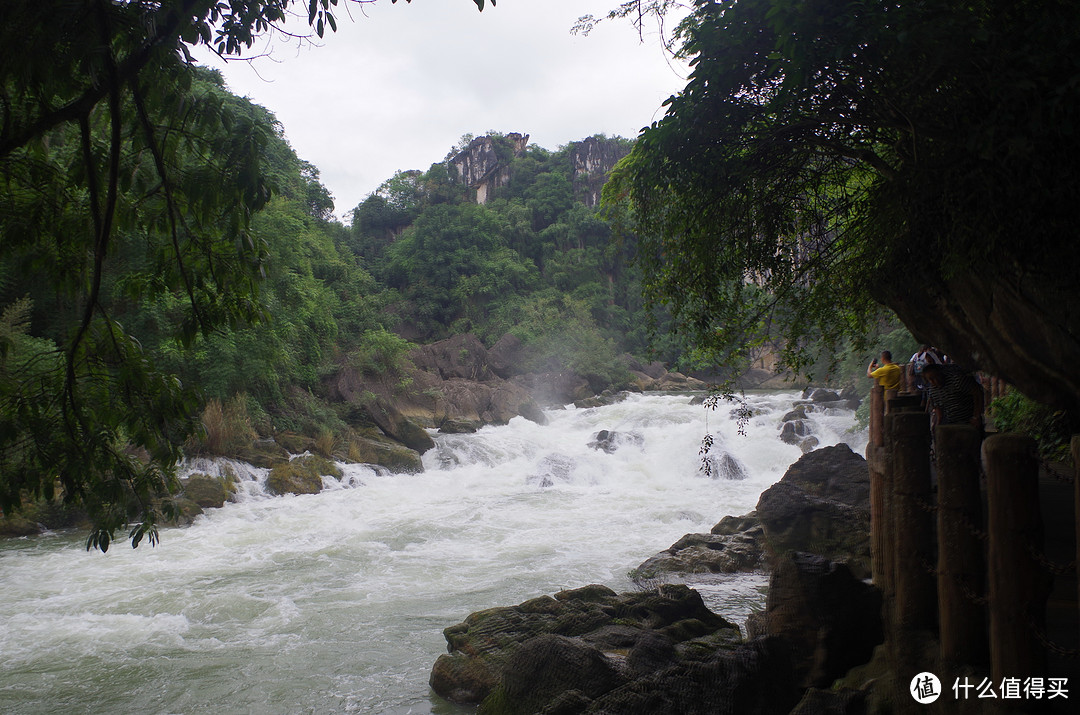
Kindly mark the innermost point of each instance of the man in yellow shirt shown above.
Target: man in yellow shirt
(888, 375)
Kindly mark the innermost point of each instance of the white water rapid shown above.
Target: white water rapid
(335, 602)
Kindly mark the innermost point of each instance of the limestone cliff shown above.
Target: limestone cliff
(592, 160)
(482, 167)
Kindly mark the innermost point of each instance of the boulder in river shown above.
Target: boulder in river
(822, 505)
(831, 618)
(576, 648)
(610, 440)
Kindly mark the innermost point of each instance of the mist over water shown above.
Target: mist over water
(336, 602)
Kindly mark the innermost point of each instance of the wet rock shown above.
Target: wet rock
(552, 469)
(809, 444)
(545, 667)
(459, 427)
(383, 452)
(823, 395)
(797, 414)
(302, 475)
(822, 506)
(749, 679)
(706, 553)
(724, 466)
(793, 432)
(609, 440)
(208, 492)
(831, 618)
(605, 398)
(515, 659)
(399, 427)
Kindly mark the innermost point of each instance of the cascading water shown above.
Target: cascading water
(336, 602)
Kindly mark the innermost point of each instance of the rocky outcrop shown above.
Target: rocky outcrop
(713, 553)
(484, 165)
(831, 618)
(822, 505)
(591, 160)
(302, 475)
(589, 648)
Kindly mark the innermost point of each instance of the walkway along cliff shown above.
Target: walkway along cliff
(963, 566)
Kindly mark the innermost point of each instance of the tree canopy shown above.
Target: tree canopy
(828, 157)
(125, 172)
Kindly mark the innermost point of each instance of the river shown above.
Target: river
(335, 602)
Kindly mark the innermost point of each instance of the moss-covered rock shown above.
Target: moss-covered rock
(518, 659)
(209, 492)
(295, 443)
(382, 452)
(264, 453)
(302, 475)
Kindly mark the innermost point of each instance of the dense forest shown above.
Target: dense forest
(199, 329)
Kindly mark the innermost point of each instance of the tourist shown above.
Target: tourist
(888, 374)
(922, 357)
(956, 397)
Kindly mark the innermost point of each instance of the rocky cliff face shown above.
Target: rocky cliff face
(591, 160)
(480, 166)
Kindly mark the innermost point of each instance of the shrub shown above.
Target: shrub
(1051, 429)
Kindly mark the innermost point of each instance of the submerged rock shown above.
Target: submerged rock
(551, 469)
(609, 440)
(724, 466)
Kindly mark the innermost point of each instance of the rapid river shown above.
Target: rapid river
(335, 602)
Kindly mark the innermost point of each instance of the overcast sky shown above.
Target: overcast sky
(399, 84)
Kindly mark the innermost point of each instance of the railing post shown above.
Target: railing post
(961, 566)
(1017, 584)
(1075, 446)
(913, 538)
(880, 544)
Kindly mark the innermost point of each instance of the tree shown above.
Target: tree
(828, 157)
(108, 133)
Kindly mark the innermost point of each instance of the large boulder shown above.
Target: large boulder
(505, 356)
(382, 452)
(462, 356)
(822, 506)
(399, 427)
(752, 678)
(705, 554)
(208, 492)
(573, 647)
(831, 618)
(302, 475)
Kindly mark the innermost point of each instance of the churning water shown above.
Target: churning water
(336, 602)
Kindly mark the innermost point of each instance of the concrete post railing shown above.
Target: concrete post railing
(1017, 583)
(961, 565)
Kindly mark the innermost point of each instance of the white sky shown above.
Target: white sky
(399, 84)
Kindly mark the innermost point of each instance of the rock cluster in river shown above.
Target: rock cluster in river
(821, 505)
(590, 650)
